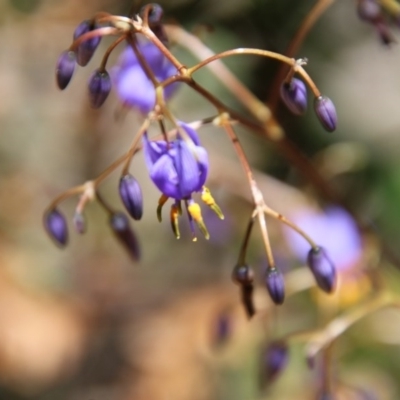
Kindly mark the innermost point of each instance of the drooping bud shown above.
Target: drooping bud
(243, 274)
(65, 68)
(155, 14)
(247, 299)
(79, 222)
(275, 285)
(326, 112)
(294, 95)
(155, 17)
(56, 226)
(120, 225)
(369, 10)
(274, 360)
(99, 87)
(131, 196)
(87, 48)
(322, 268)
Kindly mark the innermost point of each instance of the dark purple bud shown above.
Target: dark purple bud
(384, 33)
(155, 14)
(87, 48)
(131, 196)
(322, 268)
(155, 18)
(79, 222)
(56, 226)
(294, 95)
(369, 10)
(274, 361)
(243, 274)
(326, 112)
(275, 285)
(247, 299)
(120, 225)
(99, 88)
(65, 68)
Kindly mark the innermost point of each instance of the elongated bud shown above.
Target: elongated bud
(79, 222)
(99, 88)
(65, 68)
(322, 268)
(243, 274)
(274, 360)
(120, 225)
(155, 14)
(87, 48)
(326, 112)
(294, 95)
(155, 17)
(131, 196)
(275, 285)
(56, 226)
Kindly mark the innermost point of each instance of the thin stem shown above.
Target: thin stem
(104, 31)
(289, 223)
(339, 325)
(243, 249)
(142, 61)
(65, 195)
(134, 146)
(110, 50)
(263, 53)
(312, 17)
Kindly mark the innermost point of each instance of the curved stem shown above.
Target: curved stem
(312, 17)
(109, 51)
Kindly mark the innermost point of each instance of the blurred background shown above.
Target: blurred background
(86, 322)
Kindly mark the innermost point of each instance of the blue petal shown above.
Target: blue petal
(164, 176)
(153, 150)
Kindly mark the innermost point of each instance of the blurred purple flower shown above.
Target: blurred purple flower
(133, 86)
(334, 229)
(177, 168)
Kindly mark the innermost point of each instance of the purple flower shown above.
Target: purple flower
(275, 285)
(326, 112)
(177, 168)
(334, 230)
(56, 226)
(294, 95)
(133, 86)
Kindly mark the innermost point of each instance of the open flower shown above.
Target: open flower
(133, 86)
(179, 168)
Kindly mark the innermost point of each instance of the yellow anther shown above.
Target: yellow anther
(195, 212)
(209, 200)
(162, 200)
(174, 215)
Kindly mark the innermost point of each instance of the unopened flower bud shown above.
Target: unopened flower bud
(79, 222)
(56, 226)
(120, 225)
(131, 196)
(274, 361)
(322, 268)
(326, 112)
(99, 88)
(243, 274)
(275, 285)
(369, 10)
(155, 14)
(87, 48)
(65, 68)
(294, 95)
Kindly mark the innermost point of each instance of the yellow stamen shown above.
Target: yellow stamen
(163, 199)
(195, 213)
(174, 215)
(209, 200)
